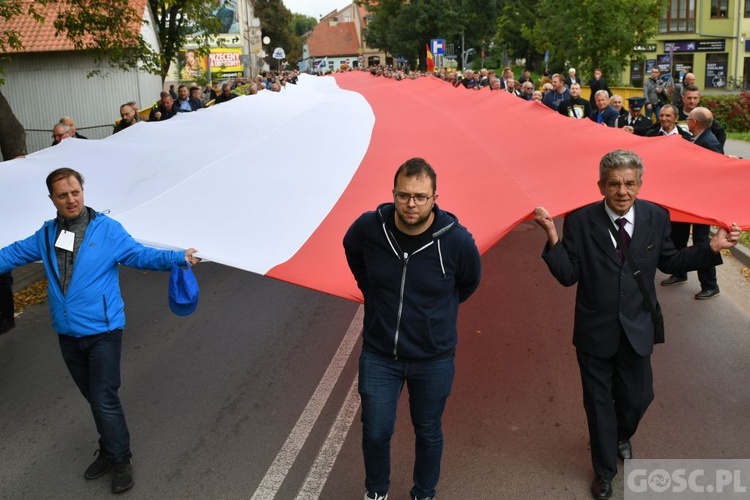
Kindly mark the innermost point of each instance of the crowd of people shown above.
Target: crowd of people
(185, 99)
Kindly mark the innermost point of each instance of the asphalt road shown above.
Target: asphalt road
(242, 398)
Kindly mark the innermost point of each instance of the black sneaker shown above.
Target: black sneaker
(122, 477)
(6, 325)
(100, 466)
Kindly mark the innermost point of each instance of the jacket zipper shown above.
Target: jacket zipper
(401, 297)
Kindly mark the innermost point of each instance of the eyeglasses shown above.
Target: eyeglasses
(690, 119)
(419, 199)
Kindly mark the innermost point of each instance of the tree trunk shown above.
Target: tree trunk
(12, 134)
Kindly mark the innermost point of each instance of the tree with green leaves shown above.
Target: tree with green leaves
(589, 33)
(301, 24)
(515, 17)
(404, 29)
(275, 23)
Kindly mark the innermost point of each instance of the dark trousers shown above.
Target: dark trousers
(6, 296)
(616, 394)
(381, 380)
(701, 232)
(94, 364)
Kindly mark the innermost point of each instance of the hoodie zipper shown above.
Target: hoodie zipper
(406, 258)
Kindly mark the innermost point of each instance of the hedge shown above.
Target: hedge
(731, 111)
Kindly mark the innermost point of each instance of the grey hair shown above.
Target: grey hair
(619, 159)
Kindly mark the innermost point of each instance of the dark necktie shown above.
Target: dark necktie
(624, 236)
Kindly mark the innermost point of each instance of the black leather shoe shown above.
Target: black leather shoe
(707, 294)
(673, 280)
(601, 488)
(624, 450)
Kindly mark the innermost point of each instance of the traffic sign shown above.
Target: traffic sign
(278, 53)
(437, 45)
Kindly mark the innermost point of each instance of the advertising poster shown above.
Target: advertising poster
(226, 60)
(192, 65)
(716, 70)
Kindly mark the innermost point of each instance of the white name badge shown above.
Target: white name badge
(66, 240)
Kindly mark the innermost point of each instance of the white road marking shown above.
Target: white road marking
(278, 470)
(318, 475)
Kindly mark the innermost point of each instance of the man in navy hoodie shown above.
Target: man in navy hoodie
(414, 264)
(88, 312)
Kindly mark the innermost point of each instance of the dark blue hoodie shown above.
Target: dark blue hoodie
(411, 301)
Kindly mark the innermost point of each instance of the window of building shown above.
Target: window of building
(678, 16)
(719, 8)
(747, 8)
(683, 63)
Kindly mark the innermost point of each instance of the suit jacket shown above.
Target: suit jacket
(708, 140)
(656, 127)
(610, 116)
(641, 123)
(608, 300)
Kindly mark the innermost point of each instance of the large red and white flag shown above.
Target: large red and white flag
(270, 183)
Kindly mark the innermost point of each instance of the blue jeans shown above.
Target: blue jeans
(381, 380)
(94, 364)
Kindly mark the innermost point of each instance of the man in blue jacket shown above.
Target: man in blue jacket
(414, 264)
(88, 312)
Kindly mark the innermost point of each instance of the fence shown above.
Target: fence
(37, 140)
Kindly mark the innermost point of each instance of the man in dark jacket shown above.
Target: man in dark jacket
(128, 116)
(575, 107)
(414, 264)
(164, 110)
(604, 113)
(613, 330)
(226, 94)
(185, 102)
(597, 83)
(699, 122)
(634, 122)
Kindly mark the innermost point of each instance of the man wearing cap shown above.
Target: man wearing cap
(82, 250)
(634, 122)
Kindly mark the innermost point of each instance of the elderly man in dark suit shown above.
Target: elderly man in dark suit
(604, 113)
(613, 330)
(699, 123)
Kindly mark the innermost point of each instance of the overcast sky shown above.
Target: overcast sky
(315, 8)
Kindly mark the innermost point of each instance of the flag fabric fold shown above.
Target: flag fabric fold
(275, 196)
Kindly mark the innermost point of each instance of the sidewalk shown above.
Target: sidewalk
(737, 148)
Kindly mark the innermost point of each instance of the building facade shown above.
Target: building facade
(710, 38)
(339, 40)
(236, 52)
